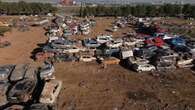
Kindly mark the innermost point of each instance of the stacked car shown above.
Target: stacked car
(24, 87)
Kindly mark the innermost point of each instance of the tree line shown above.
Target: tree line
(171, 10)
(23, 8)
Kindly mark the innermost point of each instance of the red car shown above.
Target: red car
(157, 41)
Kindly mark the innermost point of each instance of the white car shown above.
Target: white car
(71, 50)
(143, 67)
(104, 39)
(115, 43)
(46, 72)
(87, 58)
(50, 91)
(53, 38)
(185, 63)
(133, 42)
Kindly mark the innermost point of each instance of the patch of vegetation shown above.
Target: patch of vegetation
(169, 10)
(4, 29)
(23, 8)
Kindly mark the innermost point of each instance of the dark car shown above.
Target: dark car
(181, 49)
(21, 91)
(145, 52)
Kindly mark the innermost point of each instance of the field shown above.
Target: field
(87, 86)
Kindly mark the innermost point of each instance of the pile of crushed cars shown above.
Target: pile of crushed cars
(150, 48)
(24, 87)
(68, 26)
(119, 23)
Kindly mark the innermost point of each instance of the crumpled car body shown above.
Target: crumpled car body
(21, 91)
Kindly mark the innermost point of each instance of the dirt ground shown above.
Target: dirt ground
(87, 86)
(22, 44)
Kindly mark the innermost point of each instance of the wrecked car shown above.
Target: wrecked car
(143, 67)
(104, 38)
(184, 62)
(61, 44)
(145, 52)
(87, 58)
(18, 72)
(71, 50)
(50, 91)
(91, 43)
(115, 43)
(5, 72)
(64, 58)
(22, 91)
(15, 107)
(46, 72)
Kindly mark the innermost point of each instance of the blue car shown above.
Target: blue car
(91, 43)
(177, 41)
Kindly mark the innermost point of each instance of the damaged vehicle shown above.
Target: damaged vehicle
(31, 73)
(60, 44)
(64, 58)
(165, 59)
(22, 91)
(71, 50)
(50, 91)
(5, 72)
(139, 65)
(87, 58)
(18, 72)
(143, 67)
(104, 38)
(185, 61)
(91, 43)
(15, 107)
(145, 52)
(46, 72)
(115, 43)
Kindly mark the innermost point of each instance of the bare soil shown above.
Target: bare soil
(90, 87)
(22, 44)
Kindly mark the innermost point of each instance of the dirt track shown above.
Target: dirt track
(86, 86)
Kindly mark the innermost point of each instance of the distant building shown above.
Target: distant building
(67, 2)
